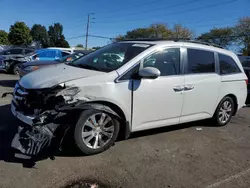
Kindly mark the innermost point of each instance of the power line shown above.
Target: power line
(126, 8)
(133, 6)
(173, 13)
(70, 38)
(90, 35)
(97, 36)
(159, 8)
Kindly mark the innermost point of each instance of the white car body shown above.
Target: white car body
(151, 103)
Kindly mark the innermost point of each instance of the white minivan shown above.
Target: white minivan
(96, 98)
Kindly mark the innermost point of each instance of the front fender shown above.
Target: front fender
(87, 106)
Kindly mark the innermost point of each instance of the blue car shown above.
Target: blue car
(12, 65)
(48, 54)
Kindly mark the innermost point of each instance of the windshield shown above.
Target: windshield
(110, 57)
(71, 57)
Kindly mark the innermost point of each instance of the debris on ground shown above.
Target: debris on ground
(198, 129)
(85, 184)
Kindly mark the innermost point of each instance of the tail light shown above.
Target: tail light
(246, 81)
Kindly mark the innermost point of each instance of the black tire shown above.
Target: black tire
(85, 115)
(16, 69)
(216, 117)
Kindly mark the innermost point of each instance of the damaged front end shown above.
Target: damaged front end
(48, 122)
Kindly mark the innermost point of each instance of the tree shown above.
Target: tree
(242, 31)
(62, 42)
(56, 36)
(219, 36)
(157, 31)
(96, 48)
(40, 35)
(79, 45)
(4, 37)
(19, 34)
(153, 31)
(180, 32)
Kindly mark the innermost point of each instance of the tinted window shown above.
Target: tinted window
(65, 54)
(228, 65)
(129, 74)
(167, 61)
(200, 61)
(27, 51)
(15, 51)
(246, 64)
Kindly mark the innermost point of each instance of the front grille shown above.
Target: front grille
(21, 96)
(28, 100)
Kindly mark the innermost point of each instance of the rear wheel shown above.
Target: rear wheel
(224, 111)
(95, 131)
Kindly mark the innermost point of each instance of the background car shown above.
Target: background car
(13, 64)
(16, 51)
(245, 61)
(34, 65)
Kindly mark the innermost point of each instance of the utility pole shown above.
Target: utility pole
(87, 30)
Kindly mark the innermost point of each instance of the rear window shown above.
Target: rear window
(228, 65)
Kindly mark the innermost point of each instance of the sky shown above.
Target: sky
(113, 17)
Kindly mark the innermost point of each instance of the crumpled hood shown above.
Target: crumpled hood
(54, 75)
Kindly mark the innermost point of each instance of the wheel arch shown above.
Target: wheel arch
(114, 109)
(234, 98)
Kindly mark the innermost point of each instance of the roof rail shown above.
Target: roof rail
(175, 40)
(155, 39)
(201, 42)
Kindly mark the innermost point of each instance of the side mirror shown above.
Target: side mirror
(149, 72)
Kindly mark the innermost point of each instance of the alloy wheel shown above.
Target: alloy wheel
(98, 130)
(225, 111)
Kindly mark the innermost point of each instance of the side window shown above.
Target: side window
(167, 61)
(200, 61)
(246, 64)
(129, 74)
(27, 51)
(228, 65)
(65, 54)
(16, 51)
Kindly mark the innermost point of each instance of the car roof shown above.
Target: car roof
(194, 44)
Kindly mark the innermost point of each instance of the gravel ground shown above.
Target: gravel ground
(178, 156)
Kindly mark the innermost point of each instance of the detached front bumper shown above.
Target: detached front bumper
(24, 118)
(3, 68)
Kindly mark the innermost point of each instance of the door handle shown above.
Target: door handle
(178, 88)
(188, 88)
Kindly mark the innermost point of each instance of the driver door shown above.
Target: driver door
(158, 102)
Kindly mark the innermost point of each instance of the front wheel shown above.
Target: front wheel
(96, 131)
(16, 69)
(224, 111)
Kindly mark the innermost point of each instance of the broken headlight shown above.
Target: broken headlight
(69, 94)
